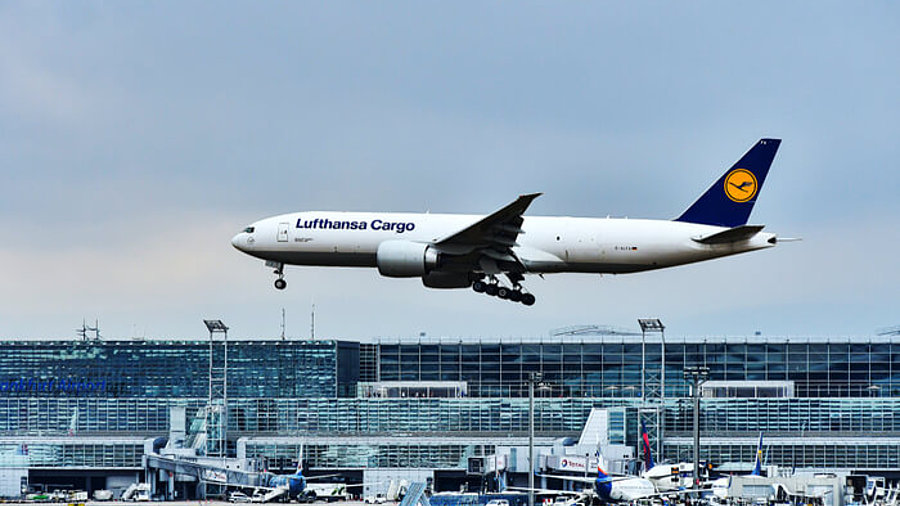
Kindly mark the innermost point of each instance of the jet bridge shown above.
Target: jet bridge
(198, 471)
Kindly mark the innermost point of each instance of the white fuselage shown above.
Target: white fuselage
(668, 477)
(546, 244)
(631, 489)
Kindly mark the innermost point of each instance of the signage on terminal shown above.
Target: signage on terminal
(75, 386)
(572, 463)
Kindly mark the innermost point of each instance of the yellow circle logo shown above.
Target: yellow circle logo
(740, 185)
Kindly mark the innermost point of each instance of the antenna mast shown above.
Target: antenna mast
(95, 329)
(84, 330)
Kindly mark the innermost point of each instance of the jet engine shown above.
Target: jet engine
(405, 259)
(446, 280)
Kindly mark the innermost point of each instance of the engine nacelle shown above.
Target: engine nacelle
(405, 259)
(446, 280)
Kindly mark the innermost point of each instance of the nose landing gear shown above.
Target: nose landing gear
(280, 283)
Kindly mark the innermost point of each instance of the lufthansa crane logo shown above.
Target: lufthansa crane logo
(740, 185)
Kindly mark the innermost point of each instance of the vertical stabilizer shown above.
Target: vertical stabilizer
(728, 202)
(757, 466)
(601, 474)
(648, 455)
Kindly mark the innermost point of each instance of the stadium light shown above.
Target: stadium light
(651, 324)
(215, 326)
(535, 378)
(697, 374)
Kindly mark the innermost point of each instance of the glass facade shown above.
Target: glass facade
(557, 416)
(613, 367)
(808, 453)
(78, 454)
(173, 369)
(424, 454)
(305, 389)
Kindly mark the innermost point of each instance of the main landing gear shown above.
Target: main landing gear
(493, 288)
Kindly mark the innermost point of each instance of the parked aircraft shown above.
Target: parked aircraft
(612, 488)
(294, 486)
(665, 477)
(720, 486)
(462, 251)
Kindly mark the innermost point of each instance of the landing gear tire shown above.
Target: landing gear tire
(280, 283)
(503, 292)
(479, 286)
(515, 296)
(491, 289)
(528, 299)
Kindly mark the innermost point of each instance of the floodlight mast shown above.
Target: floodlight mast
(215, 326)
(535, 378)
(697, 374)
(653, 384)
(652, 325)
(217, 404)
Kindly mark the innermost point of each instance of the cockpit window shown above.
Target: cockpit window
(249, 230)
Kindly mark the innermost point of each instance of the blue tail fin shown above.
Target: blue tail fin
(601, 474)
(728, 202)
(648, 455)
(757, 467)
(299, 471)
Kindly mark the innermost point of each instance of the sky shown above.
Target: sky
(137, 137)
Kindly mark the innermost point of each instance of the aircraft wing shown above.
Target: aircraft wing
(585, 479)
(681, 492)
(494, 235)
(243, 485)
(549, 491)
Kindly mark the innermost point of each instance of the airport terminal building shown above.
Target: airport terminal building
(83, 414)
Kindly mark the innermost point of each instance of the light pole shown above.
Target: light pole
(653, 325)
(697, 374)
(533, 378)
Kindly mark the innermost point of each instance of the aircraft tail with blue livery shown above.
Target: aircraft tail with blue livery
(728, 202)
(757, 466)
(601, 474)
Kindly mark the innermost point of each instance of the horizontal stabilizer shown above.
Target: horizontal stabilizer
(741, 233)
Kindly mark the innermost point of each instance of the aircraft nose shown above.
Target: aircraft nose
(239, 241)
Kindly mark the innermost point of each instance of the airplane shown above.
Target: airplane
(720, 486)
(269, 487)
(665, 477)
(292, 486)
(611, 489)
(472, 251)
